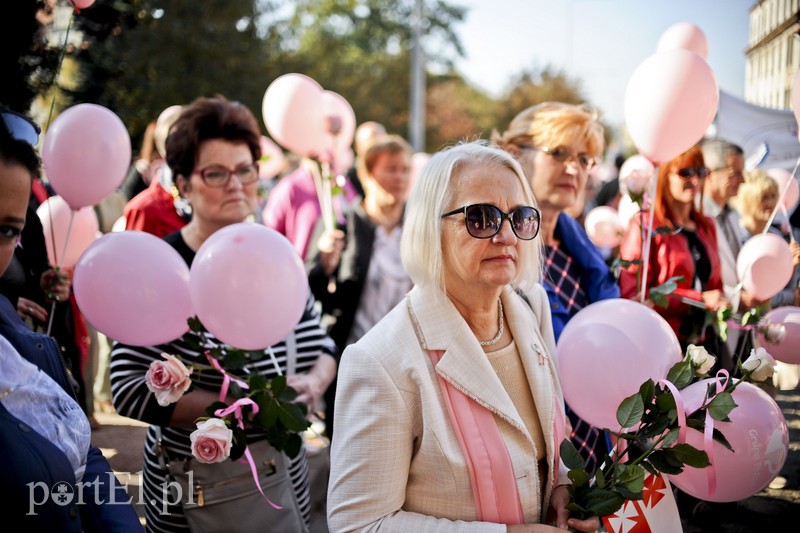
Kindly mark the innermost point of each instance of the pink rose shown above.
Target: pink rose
(211, 441)
(168, 379)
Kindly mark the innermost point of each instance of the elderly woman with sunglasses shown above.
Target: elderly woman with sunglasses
(449, 410)
(557, 144)
(685, 248)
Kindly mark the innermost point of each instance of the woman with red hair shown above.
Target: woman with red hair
(685, 247)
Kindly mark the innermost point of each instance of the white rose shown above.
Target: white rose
(774, 333)
(701, 359)
(761, 364)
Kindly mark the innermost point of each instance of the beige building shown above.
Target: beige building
(773, 52)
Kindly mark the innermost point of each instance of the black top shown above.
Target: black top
(702, 264)
(175, 240)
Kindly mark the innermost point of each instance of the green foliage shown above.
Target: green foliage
(142, 56)
(659, 293)
(651, 445)
(279, 416)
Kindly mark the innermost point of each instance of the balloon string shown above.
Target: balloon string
(313, 168)
(55, 257)
(679, 407)
(708, 435)
(236, 409)
(646, 252)
(780, 199)
(58, 70)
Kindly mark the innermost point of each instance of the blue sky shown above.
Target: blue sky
(601, 42)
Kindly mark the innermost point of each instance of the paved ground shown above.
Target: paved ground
(121, 440)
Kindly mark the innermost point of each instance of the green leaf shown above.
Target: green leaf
(681, 374)
(631, 477)
(630, 411)
(647, 390)
(719, 437)
(277, 384)
(721, 405)
(670, 438)
(288, 394)
(602, 502)
(662, 463)
(292, 417)
(570, 455)
(664, 230)
(579, 477)
(195, 324)
(689, 455)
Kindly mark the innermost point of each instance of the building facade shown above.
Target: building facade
(773, 53)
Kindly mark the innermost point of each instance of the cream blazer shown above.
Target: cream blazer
(395, 462)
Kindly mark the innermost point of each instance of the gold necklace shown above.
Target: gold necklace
(6, 392)
(500, 323)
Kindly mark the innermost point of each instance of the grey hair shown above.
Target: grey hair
(716, 151)
(421, 244)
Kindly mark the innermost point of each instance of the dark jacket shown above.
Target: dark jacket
(596, 278)
(340, 293)
(32, 464)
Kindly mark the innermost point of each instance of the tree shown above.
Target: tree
(456, 111)
(142, 56)
(27, 63)
(361, 50)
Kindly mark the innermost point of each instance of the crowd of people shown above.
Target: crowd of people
(426, 317)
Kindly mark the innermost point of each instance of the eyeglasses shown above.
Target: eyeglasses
(217, 176)
(691, 172)
(485, 220)
(21, 127)
(562, 154)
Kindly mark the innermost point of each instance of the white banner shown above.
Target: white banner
(656, 512)
(767, 136)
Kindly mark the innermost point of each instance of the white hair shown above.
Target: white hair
(421, 246)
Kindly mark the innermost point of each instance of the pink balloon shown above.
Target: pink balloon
(248, 286)
(134, 288)
(684, 35)
(670, 100)
(86, 154)
(55, 215)
(603, 226)
(344, 160)
(636, 175)
(294, 113)
(82, 4)
(272, 160)
(605, 353)
(788, 350)
(764, 265)
(785, 181)
(758, 433)
(341, 125)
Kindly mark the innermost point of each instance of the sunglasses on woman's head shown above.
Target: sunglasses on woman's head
(691, 172)
(485, 220)
(21, 127)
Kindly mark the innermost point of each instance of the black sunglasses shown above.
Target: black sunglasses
(691, 172)
(485, 220)
(20, 127)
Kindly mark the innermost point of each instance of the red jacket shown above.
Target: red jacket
(669, 256)
(153, 211)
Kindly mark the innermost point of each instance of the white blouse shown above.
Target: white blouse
(32, 396)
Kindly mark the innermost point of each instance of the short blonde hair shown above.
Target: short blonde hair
(756, 184)
(552, 124)
(421, 245)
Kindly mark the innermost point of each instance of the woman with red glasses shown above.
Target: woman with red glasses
(557, 144)
(685, 247)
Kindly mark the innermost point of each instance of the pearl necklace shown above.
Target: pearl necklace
(500, 323)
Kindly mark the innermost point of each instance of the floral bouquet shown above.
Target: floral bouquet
(653, 439)
(263, 404)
